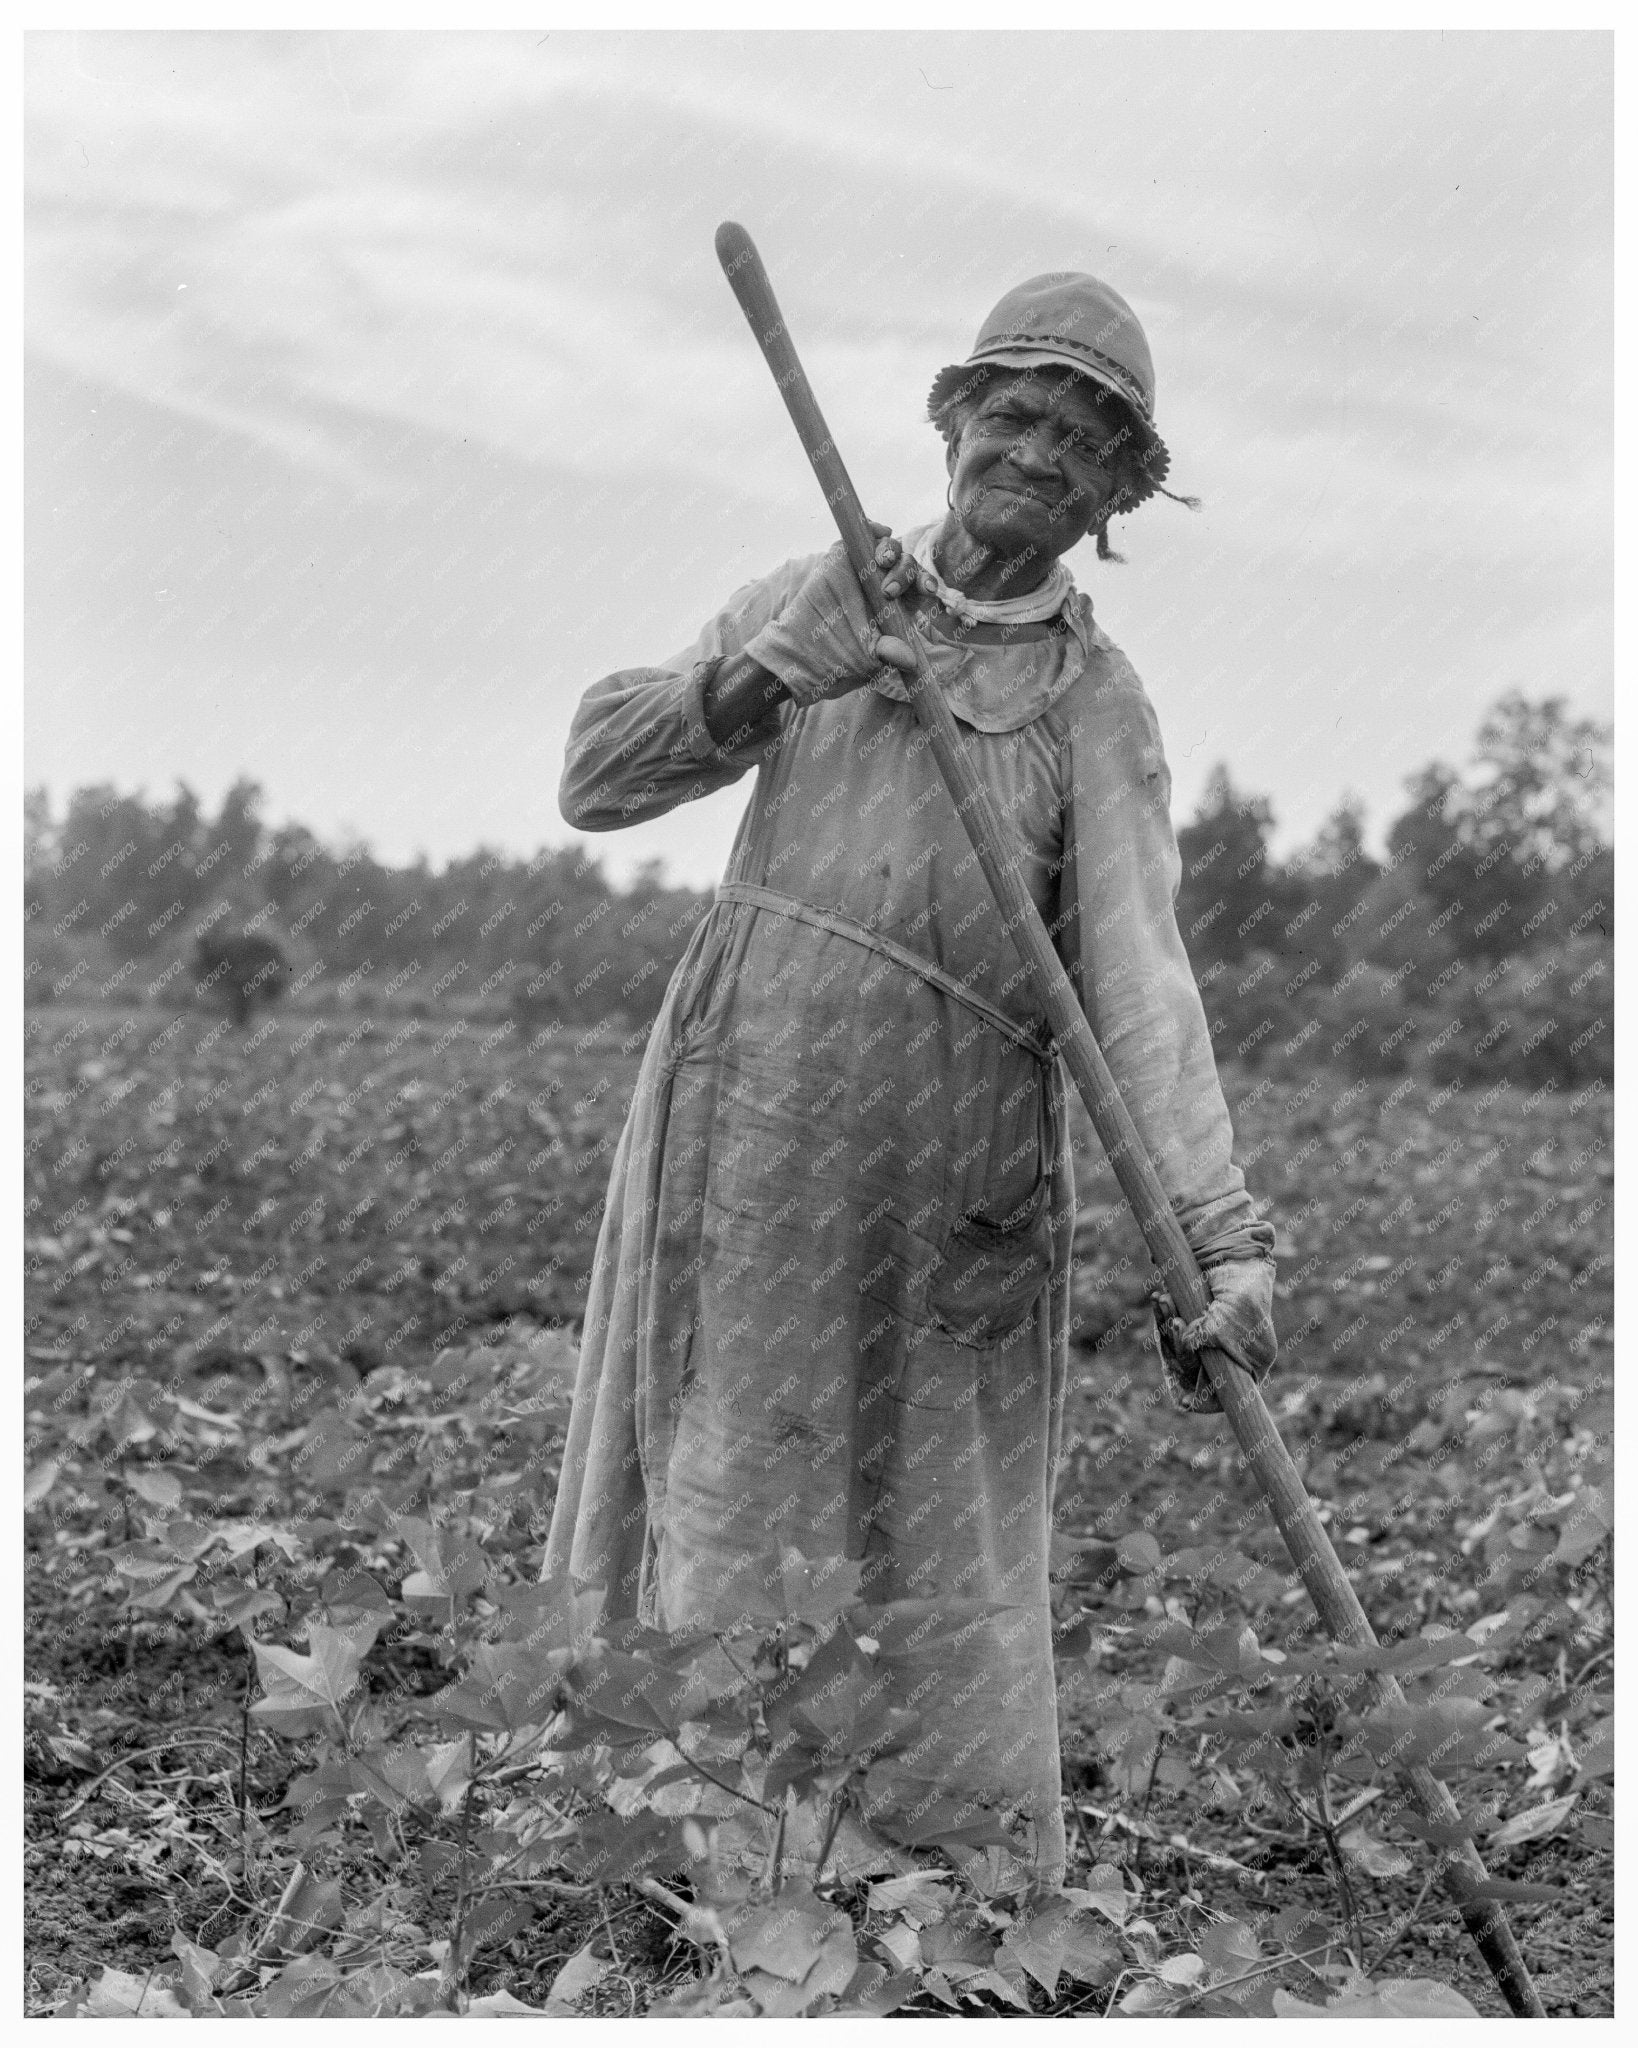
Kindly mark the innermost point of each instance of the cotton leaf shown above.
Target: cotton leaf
(1139, 1553)
(1286, 2007)
(301, 1990)
(120, 1995)
(238, 1538)
(1408, 1998)
(609, 1847)
(159, 1488)
(583, 1972)
(504, 1688)
(239, 1603)
(200, 1969)
(349, 1596)
(335, 1452)
(543, 1612)
(1584, 1526)
(501, 2005)
(1146, 1996)
(1531, 1826)
(392, 1773)
(1595, 1750)
(448, 1766)
(303, 1694)
(1229, 1650)
(231, 1425)
(1442, 1734)
(1186, 1969)
(832, 1972)
(1088, 1955)
(129, 1422)
(1377, 1858)
(1229, 1947)
(309, 1908)
(957, 1945)
(817, 1589)
(1104, 1892)
(873, 1992)
(39, 1482)
(922, 1896)
(1037, 1945)
(1412, 1653)
(1001, 1987)
(785, 1936)
(1059, 1937)
(901, 1944)
(632, 1691)
(443, 1578)
(159, 1583)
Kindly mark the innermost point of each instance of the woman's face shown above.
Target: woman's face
(1034, 465)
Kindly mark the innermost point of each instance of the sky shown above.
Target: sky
(383, 390)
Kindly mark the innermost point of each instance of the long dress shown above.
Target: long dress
(829, 1307)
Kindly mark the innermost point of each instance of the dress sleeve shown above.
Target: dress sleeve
(1117, 935)
(638, 744)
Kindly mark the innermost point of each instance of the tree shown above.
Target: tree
(298, 871)
(242, 969)
(1507, 855)
(1328, 879)
(1231, 896)
(1338, 847)
(1541, 784)
(238, 827)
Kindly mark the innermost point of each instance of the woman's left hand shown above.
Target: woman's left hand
(1239, 1322)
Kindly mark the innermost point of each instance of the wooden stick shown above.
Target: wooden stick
(1260, 1442)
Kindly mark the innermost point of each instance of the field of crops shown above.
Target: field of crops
(301, 1302)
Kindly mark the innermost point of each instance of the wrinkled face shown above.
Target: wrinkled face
(1035, 463)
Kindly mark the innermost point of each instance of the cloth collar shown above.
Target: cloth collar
(977, 685)
(1034, 605)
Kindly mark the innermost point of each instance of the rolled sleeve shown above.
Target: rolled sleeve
(639, 745)
(695, 730)
(748, 744)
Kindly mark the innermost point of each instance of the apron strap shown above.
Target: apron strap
(848, 928)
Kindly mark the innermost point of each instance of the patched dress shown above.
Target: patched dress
(830, 1306)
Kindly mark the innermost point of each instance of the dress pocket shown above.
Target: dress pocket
(991, 1269)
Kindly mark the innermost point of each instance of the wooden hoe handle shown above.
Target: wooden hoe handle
(1260, 1442)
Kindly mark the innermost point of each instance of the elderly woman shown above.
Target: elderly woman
(829, 1309)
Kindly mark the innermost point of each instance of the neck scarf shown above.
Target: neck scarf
(1044, 603)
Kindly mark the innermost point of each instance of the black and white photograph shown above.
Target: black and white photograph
(818, 1021)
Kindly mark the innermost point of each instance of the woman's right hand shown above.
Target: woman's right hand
(825, 643)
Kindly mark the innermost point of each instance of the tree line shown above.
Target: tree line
(1482, 940)
(1479, 940)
